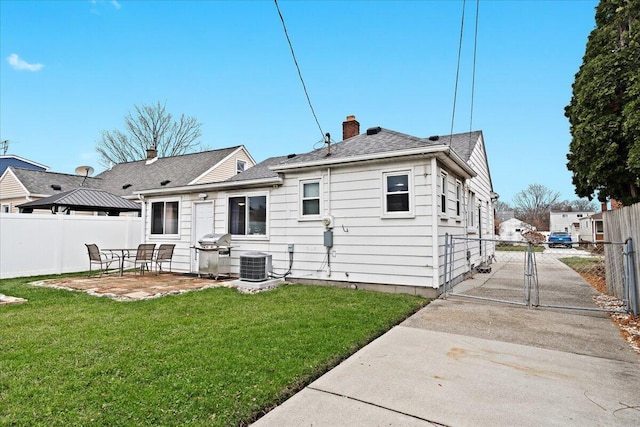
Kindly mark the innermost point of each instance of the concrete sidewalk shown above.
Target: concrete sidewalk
(461, 362)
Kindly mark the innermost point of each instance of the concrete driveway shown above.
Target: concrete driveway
(462, 362)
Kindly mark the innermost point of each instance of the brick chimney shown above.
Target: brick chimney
(616, 204)
(350, 128)
(603, 206)
(152, 153)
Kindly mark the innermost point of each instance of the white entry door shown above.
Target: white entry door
(201, 224)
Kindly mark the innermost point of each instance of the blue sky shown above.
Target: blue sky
(71, 69)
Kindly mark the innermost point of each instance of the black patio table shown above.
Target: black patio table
(124, 253)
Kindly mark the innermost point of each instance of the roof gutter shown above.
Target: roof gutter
(444, 153)
(211, 186)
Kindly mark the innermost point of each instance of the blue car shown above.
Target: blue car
(559, 239)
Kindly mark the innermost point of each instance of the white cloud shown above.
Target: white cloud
(96, 4)
(20, 64)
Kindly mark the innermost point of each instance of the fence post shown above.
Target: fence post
(451, 261)
(531, 277)
(527, 276)
(632, 282)
(446, 264)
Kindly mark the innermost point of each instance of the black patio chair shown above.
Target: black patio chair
(164, 254)
(144, 257)
(104, 259)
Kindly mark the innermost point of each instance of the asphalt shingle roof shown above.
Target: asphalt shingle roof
(259, 171)
(384, 141)
(40, 182)
(178, 170)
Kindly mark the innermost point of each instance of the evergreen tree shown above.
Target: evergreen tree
(604, 113)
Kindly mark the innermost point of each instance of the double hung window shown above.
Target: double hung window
(240, 166)
(458, 199)
(397, 193)
(248, 215)
(443, 193)
(471, 209)
(164, 217)
(310, 203)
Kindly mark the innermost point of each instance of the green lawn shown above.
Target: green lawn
(518, 248)
(582, 264)
(212, 357)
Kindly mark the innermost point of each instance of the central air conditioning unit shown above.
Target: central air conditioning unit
(255, 266)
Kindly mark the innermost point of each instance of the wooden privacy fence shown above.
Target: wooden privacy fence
(620, 225)
(53, 244)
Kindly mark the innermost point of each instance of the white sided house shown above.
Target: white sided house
(592, 228)
(511, 230)
(371, 211)
(568, 222)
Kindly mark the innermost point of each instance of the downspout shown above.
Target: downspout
(329, 191)
(329, 212)
(434, 223)
(143, 213)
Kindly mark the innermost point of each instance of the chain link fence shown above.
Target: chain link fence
(535, 275)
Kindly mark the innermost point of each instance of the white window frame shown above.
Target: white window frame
(246, 236)
(6, 208)
(458, 200)
(599, 226)
(471, 211)
(164, 226)
(410, 193)
(443, 194)
(301, 199)
(239, 168)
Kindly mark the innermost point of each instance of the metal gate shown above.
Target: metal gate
(592, 277)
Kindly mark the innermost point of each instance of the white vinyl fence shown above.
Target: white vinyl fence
(32, 244)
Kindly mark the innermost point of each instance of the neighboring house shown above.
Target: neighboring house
(592, 228)
(10, 160)
(18, 185)
(568, 222)
(19, 162)
(186, 170)
(512, 229)
(502, 216)
(386, 199)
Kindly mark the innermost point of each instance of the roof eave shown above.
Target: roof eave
(443, 152)
(211, 186)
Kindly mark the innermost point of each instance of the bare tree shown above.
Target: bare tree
(501, 206)
(152, 127)
(532, 205)
(583, 205)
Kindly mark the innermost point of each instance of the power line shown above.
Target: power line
(304, 86)
(473, 73)
(455, 91)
